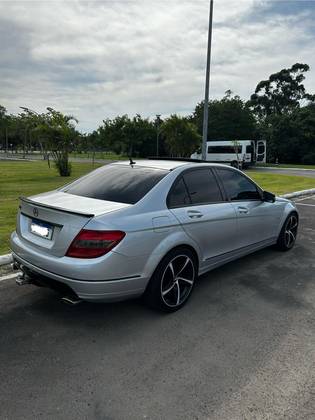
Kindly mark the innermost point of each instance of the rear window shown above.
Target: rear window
(119, 183)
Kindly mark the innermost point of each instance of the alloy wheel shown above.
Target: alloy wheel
(177, 280)
(290, 231)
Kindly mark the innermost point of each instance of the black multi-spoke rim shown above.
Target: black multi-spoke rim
(177, 280)
(290, 231)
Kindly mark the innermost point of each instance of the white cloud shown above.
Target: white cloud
(100, 59)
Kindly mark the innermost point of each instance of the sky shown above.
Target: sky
(99, 59)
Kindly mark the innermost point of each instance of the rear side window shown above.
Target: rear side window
(179, 196)
(195, 187)
(119, 183)
(237, 186)
(202, 187)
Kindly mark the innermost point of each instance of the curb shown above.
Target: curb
(299, 193)
(7, 259)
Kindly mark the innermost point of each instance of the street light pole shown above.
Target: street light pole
(206, 102)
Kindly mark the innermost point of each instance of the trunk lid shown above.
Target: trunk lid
(60, 214)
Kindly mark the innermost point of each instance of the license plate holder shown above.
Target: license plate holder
(42, 229)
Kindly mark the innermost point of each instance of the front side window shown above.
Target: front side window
(237, 186)
(119, 183)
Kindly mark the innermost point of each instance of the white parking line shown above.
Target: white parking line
(305, 198)
(303, 204)
(9, 276)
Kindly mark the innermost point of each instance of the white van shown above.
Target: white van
(238, 153)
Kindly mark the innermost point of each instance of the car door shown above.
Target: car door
(258, 220)
(197, 202)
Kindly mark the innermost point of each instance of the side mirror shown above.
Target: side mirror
(268, 197)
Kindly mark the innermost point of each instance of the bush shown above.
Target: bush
(63, 165)
(309, 159)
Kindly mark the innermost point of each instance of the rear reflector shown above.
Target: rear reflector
(94, 243)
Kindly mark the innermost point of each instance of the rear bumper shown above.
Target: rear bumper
(94, 291)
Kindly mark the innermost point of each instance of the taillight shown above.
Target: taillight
(94, 243)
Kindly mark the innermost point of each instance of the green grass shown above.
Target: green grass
(281, 184)
(98, 155)
(29, 178)
(286, 165)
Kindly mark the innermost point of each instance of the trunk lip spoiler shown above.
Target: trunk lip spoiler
(35, 203)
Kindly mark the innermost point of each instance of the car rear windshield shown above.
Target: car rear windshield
(119, 183)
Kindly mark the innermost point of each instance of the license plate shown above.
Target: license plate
(42, 229)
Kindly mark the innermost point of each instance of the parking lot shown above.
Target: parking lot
(242, 348)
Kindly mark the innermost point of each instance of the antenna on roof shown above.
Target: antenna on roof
(130, 158)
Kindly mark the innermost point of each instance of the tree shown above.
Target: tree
(12, 130)
(125, 136)
(281, 105)
(3, 126)
(229, 118)
(56, 133)
(181, 136)
(282, 93)
(292, 136)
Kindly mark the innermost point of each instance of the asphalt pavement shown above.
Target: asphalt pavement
(309, 173)
(242, 348)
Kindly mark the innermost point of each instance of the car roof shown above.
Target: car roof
(166, 164)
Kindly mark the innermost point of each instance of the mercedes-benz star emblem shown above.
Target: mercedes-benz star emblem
(35, 211)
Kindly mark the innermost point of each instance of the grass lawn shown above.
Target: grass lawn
(286, 165)
(98, 155)
(281, 184)
(29, 178)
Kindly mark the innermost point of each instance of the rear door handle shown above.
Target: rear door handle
(243, 210)
(194, 214)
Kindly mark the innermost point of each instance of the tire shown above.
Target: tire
(287, 236)
(167, 291)
(234, 164)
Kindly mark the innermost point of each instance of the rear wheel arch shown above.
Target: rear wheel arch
(153, 292)
(185, 246)
(177, 248)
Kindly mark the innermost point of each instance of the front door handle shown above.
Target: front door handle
(243, 210)
(194, 214)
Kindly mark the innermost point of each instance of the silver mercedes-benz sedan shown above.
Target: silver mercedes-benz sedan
(147, 229)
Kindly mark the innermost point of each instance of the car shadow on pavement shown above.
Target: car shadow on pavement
(271, 275)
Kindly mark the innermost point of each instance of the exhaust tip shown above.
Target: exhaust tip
(71, 300)
(22, 280)
(15, 266)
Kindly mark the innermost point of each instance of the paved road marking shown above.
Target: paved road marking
(9, 276)
(305, 198)
(303, 204)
